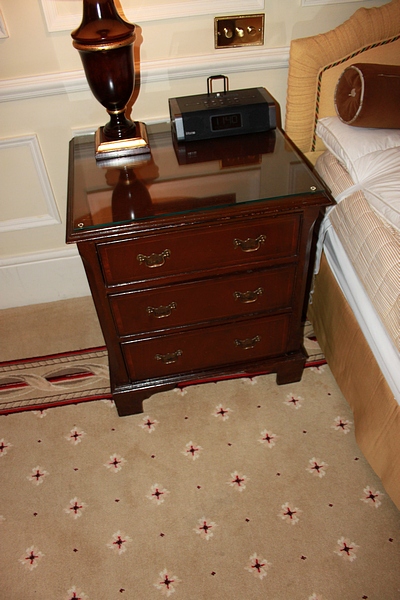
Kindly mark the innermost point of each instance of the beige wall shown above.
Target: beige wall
(44, 101)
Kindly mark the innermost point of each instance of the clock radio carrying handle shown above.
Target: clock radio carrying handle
(215, 77)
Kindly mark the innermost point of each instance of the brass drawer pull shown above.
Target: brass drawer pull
(248, 343)
(162, 311)
(249, 245)
(154, 260)
(248, 297)
(170, 358)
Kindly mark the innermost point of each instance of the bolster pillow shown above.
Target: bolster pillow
(368, 95)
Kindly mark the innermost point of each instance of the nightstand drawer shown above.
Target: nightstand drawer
(234, 343)
(207, 300)
(202, 248)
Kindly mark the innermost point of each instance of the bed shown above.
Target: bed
(354, 301)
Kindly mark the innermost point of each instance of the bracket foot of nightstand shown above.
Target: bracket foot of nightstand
(130, 402)
(291, 370)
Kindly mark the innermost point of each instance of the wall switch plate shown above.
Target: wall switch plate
(236, 31)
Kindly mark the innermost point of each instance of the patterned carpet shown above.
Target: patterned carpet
(239, 490)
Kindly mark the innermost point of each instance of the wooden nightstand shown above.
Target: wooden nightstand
(197, 259)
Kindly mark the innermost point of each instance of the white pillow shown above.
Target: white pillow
(349, 143)
(372, 157)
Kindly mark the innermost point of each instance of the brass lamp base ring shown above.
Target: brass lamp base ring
(106, 149)
(116, 112)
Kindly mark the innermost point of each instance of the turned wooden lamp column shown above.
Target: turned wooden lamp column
(104, 41)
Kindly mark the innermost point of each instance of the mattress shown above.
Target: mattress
(363, 251)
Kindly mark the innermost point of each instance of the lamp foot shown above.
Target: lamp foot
(106, 149)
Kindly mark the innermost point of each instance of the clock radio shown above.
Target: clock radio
(221, 114)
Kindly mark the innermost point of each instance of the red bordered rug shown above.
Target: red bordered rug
(77, 376)
(54, 380)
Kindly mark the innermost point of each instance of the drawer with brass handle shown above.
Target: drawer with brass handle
(250, 244)
(154, 260)
(248, 343)
(197, 249)
(249, 296)
(162, 312)
(203, 301)
(205, 348)
(170, 358)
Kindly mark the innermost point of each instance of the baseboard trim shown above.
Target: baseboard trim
(42, 277)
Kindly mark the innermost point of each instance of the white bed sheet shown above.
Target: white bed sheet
(384, 350)
(371, 244)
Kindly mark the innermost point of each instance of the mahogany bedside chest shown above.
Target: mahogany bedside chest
(197, 258)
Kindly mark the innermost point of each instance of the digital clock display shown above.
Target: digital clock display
(221, 122)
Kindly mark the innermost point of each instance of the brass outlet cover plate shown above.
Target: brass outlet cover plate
(237, 31)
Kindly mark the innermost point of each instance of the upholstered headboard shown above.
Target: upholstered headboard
(371, 35)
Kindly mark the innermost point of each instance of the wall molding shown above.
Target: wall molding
(57, 21)
(26, 88)
(52, 216)
(319, 2)
(42, 277)
(38, 257)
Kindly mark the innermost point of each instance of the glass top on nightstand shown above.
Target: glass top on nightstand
(181, 178)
